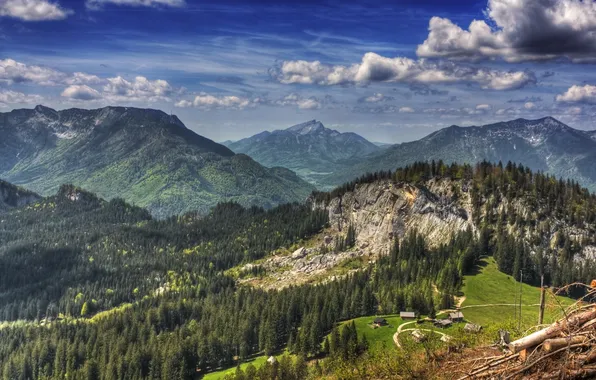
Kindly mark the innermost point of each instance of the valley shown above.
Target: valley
(245, 283)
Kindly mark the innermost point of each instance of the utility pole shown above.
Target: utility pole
(542, 300)
(514, 301)
(521, 282)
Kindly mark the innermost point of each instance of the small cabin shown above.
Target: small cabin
(408, 315)
(443, 323)
(457, 316)
(418, 336)
(472, 328)
(378, 322)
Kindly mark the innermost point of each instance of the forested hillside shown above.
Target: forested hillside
(145, 156)
(91, 289)
(13, 196)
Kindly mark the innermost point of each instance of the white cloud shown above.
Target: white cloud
(376, 68)
(81, 92)
(298, 100)
(309, 104)
(483, 107)
(12, 71)
(33, 10)
(141, 89)
(207, 102)
(82, 78)
(529, 105)
(97, 4)
(375, 98)
(8, 98)
(406, 110)
(518, 30)
(183, 104)
(579, 94)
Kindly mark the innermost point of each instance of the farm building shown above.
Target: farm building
(472, 328)
(408, 315)
(380, 322)
(457, 316)
(443, 323)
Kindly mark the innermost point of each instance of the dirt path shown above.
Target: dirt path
(401, 329)
(460, 301)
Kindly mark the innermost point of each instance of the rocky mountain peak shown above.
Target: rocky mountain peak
(47, 111)
(309, 127)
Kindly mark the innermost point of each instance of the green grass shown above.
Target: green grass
(382, 334)
(490, 286)
(256, 361)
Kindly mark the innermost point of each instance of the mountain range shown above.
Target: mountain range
(543, 145)
(309, 149)
(144, 156)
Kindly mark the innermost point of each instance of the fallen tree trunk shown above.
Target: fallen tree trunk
(552, 331)
(551, 345)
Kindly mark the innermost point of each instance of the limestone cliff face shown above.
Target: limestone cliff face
(383, 210)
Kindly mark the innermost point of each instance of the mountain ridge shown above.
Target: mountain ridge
(543, 144)
(307, 148)
(145, 156)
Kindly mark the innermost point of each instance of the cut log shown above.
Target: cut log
(551, 345)
(552, 331)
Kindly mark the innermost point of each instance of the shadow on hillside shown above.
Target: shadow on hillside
(482, 263)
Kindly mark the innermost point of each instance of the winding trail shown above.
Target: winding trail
(401, 328)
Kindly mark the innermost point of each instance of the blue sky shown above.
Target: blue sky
(390, 70)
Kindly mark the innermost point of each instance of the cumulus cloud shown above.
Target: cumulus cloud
(98, 4)
(206, 101)
(81, 92)
(141, 89)
(579, 94)
(518, 30)
(12, 72)
(33, 10)
(376, 68)
(82, 78)
(8, 98)
(406, 110)
(310, 103)
(529, 105)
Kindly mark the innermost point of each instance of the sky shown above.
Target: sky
(391, 71)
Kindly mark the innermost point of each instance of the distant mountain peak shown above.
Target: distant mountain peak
(312, 126)
(46, 111)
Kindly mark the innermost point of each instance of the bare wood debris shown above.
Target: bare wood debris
(564, 350)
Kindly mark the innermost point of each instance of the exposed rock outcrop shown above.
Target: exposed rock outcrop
(383, 210)
(379, 212)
